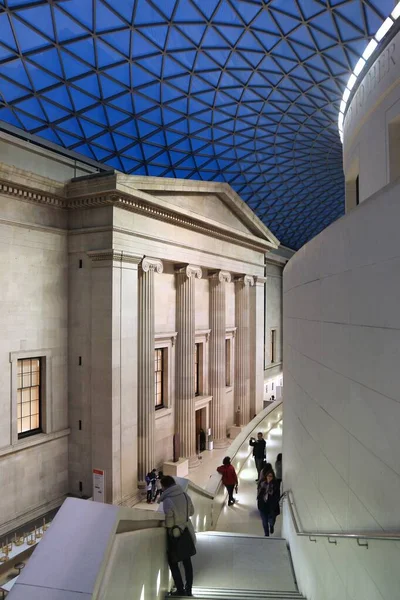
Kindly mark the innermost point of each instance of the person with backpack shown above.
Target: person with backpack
(181, 538)
(229, 478)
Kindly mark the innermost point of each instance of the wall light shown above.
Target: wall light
(383, 29)
(142, 594)
(369, 49)
(380, 34)
(351, 81)
(158, 582)
(396, 12)
(359, 66)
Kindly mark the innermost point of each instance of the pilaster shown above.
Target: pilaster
(113, 401)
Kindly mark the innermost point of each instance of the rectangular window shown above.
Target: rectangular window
(197, 370)
(28, 396)
(273, 345)
(159, 377)
(228, 362)
(357, 190)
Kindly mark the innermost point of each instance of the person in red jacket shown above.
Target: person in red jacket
(229, 478)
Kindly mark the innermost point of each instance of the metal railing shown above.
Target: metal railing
(333, 537)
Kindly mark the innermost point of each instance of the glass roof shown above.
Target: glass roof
(242, 91)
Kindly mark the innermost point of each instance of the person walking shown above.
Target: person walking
(229, 478)
(278, 470)
(259, 452)
(268, 502)
(181, 538)
(158, 485)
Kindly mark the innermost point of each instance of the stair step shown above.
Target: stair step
(226, 594)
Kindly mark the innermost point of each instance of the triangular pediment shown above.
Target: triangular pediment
(206, 206)
(213, 203)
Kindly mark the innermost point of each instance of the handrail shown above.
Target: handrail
(288, 495)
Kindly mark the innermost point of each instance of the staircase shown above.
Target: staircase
(229, 566)
(220, 594)
(227, 594)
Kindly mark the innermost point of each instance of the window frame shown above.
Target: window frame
(202, 337)
(273, 343)
(46, 400)
(36, 430)
(167, 342)
(197, 368)
(230, 336)
(163, 351)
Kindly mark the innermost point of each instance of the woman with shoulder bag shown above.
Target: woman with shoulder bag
(181, 538)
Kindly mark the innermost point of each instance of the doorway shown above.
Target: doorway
(201, 424)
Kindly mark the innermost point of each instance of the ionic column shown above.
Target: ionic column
(217, 363)
(242, 347)
(146, 387)
(185, 423)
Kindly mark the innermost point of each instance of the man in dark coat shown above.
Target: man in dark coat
(259, 452)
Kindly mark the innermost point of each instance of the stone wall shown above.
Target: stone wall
(33, 323)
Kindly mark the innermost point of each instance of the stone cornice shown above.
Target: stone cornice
(132, 204)
(21, 192)
(114, 255)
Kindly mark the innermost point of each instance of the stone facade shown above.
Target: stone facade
(96, 273)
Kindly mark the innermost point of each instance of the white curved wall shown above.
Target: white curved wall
(342, 400)
(374, 108)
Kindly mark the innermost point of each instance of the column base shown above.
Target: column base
(194, 462)
(222, 443)
(176, 469)
(235, 430)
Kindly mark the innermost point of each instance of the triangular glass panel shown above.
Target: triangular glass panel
(141, 46)
(82, 10)
(207, 8)
(107, 19)
(38, 17)
(156, 34)
(106, 55)
(83, 49)
(27, 38)
(67, 27)
(80, 99)
(120, 40)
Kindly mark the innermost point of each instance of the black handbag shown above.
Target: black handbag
(180, 544)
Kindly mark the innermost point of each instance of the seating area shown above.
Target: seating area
(16, 553)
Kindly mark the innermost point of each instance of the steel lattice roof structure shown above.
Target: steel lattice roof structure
(241, 91)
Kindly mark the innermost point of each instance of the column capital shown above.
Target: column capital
(246, 280)
(221, 276)
(260, 280)
(151, 264)
(190, 271)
